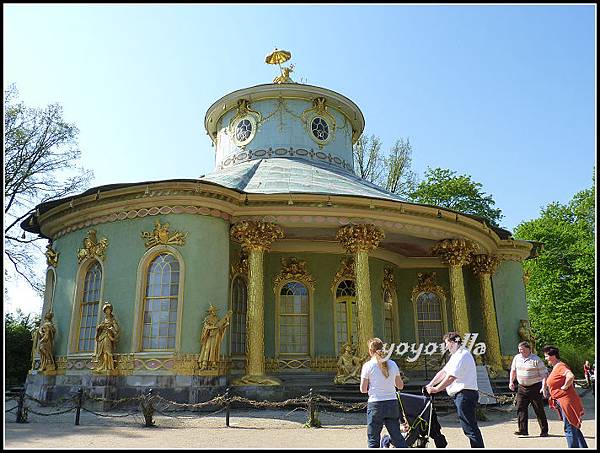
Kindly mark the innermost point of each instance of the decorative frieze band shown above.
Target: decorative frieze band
(143, 212)
(318, 156)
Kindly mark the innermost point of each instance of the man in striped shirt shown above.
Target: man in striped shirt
(530, 372)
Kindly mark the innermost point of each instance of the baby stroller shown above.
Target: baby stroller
(421, 417)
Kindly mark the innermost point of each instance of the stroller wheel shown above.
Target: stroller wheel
(421, 442)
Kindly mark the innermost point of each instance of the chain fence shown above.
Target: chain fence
(150, 403)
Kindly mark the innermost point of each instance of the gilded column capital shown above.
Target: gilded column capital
(484, 264)
(360, 237)
(454, 252)
(256, 235)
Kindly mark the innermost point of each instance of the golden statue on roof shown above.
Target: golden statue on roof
(277, 57)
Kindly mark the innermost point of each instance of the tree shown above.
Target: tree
(41, 155)
(18, 329)
(442, 187)
(390, 171)
(560, 285)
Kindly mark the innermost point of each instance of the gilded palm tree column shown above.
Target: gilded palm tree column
(456, 253)
(484, 266)
(256, 237)
(360, 239)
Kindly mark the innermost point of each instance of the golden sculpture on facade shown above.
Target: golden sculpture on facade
(213, 330)
(107, 335)
(454, 252)
(348, 366)
(161, 236)
(51, 256)
(45, 341)
(526, 334)
(92, 247)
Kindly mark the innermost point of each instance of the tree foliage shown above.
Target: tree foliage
(443, 187)
(41, 154)
(391, 170)
(560, 286)
(18, 329)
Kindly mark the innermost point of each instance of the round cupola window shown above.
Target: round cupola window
(320, 129)
(243, 130)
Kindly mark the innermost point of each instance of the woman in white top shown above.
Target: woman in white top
(380, 378)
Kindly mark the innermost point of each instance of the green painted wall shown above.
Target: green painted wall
(511, 303)
(206, 279)
(473, 295)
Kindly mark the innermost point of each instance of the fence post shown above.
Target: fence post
(148, 408)
(79, 401)
(227, 406)
(21, 410)
(313, 421)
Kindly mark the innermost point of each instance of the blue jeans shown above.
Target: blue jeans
(573, 434)
(466, 402)
(386, 413)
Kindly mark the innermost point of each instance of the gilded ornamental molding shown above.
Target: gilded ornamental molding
(256, 235)
(484, 264)
(92, 248)
(161, 236)
(454, 252)
(293, 269)
(346, 271)
(51, 256)
(360, 237)
(426, 283)
(241, 266)
(388, 280)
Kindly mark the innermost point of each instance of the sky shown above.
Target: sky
(505, 94)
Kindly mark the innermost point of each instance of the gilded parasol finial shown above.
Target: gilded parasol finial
(277, 57)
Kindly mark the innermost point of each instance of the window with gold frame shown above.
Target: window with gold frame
(430, 324)
(388, 317)
(294, 319)
(161, 298)
(88, 309)
(239, 301)
(346, 315)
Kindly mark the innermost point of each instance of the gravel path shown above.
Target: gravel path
(260, 429)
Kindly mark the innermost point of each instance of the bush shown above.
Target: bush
(17, 346)
(575, 357)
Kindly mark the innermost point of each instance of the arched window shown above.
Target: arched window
(293, 319)
(388, 317)
(346, 314)
(88, 314)
(159, 325)
(429, 317)
(49, 290)
(239, 300)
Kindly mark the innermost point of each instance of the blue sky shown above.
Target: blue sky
(505, 94)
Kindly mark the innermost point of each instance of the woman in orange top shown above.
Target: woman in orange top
(564, 397)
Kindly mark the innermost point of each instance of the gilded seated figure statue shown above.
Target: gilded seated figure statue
(348, 367)
(285, 75)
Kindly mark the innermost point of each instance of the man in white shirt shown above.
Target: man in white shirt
(459, 379)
